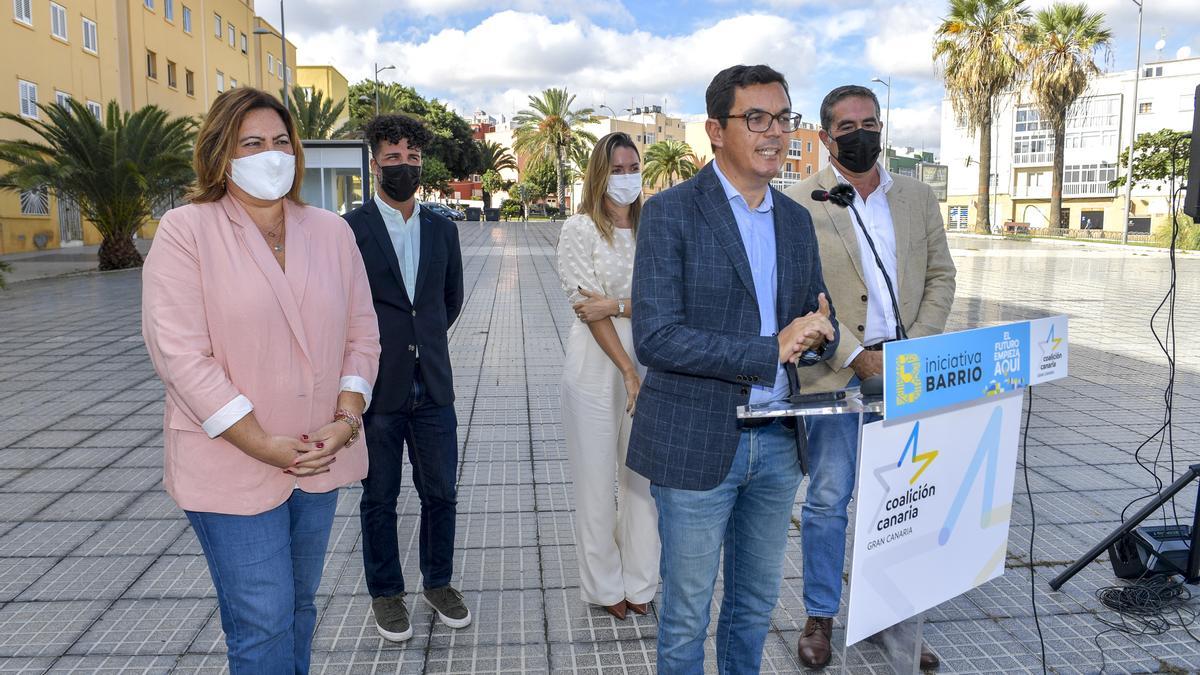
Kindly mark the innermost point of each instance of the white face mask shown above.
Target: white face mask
(625, 188)
(265, 175)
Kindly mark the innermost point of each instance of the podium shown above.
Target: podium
(902, 642)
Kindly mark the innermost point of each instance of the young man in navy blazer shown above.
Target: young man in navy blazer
(727, 287)
(415, 270)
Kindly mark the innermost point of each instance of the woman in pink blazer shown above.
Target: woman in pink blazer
(257, 315)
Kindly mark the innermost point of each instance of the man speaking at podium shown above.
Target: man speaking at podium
(905, 241)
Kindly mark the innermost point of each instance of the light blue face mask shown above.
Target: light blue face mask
(264, 175)
(625, 188)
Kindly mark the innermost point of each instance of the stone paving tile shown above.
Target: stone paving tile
(99, 571)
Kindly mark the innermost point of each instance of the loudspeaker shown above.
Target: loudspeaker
(1191, 200)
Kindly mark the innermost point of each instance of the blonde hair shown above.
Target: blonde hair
(595, 184)
(217, 141)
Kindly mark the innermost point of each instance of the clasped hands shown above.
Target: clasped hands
(806, 332)
(309, 455)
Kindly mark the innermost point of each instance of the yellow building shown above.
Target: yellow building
(331, 83)
(176, 54)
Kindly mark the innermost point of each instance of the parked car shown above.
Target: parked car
(443, 210)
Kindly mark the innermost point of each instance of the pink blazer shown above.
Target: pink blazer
(222, 319)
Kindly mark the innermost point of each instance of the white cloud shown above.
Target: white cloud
(918, 127)
(527, 52)
(903, 45)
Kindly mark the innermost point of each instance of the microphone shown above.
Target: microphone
(843, 195)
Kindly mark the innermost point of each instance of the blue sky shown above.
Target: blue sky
(492, 55)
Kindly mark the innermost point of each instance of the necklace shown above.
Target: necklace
(273, 234)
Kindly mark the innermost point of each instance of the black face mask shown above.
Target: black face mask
(858, 150)
(400, 181)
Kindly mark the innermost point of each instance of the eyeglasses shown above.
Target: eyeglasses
(759, 121)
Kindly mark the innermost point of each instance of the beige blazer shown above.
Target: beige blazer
(221, 319)
(925, 269)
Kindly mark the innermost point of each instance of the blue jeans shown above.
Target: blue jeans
(832, 463)
(430, 432)
(266, 569)
(748, 514)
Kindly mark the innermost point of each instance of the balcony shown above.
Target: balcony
(1033, 158)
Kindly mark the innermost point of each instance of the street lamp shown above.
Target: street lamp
(283, 49)
(379, 70)
(1137, 72)
(887, 127)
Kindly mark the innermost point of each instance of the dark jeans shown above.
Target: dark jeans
(430, 431)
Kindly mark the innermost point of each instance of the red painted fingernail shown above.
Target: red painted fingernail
(304, 437)
(320, 445)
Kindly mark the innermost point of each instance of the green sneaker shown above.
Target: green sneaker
(391, 618)
(448, 603)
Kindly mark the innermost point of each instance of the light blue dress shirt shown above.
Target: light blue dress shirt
(406, 239)
(757, 228)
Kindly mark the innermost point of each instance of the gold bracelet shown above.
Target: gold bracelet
(355, 422)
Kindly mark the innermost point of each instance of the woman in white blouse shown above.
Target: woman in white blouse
(616, 541)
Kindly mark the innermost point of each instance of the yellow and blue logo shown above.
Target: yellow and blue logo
(908, 378)
(911, 447)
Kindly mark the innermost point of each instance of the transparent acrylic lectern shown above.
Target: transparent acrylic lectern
(901, 643)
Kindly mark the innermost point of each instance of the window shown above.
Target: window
(233, 83)
(169, 10)
(959, 217)
(23, 11)
(308, 93)
(149, 4)
(35, 202)
(58, 21)
(271, 64)
(1088, 179)
(289, 75)
(151, 65)
(27, 92)
(218, 24)
(1155, 71)
(1145, 107)
(232, 35)
(794, 147)
(62, 99)
(172, 81)
(187, 19)
(808, 146)
(1187, 103)
(243, 43)
(94, 108)
(220, 81)
(89, 36)
(189, 82)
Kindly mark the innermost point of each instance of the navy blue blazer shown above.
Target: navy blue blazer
(408, 324)
(696, 326)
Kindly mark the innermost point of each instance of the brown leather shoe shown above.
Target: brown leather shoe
(639, 608)
(617, 610)
(814, 647)
(929, 660)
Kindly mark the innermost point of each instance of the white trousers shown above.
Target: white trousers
(616, 534)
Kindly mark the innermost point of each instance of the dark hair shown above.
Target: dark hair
(392, 128)
(718, 98)
(217, 141)
(844, 92)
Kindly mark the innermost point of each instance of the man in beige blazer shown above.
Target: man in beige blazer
(904, 222)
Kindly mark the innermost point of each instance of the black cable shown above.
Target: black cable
(1037, 621)
(840, 199)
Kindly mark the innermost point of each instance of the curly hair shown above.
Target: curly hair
(392, 128)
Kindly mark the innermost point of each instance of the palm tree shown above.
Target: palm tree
(976, 48)
(315, 116)
(1059, 48)
(552, 129)
(493, 157)
(668, 160)
(114, 170)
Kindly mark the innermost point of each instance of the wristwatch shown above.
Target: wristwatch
(620, 307)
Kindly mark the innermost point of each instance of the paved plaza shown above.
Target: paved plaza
(99, 571)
